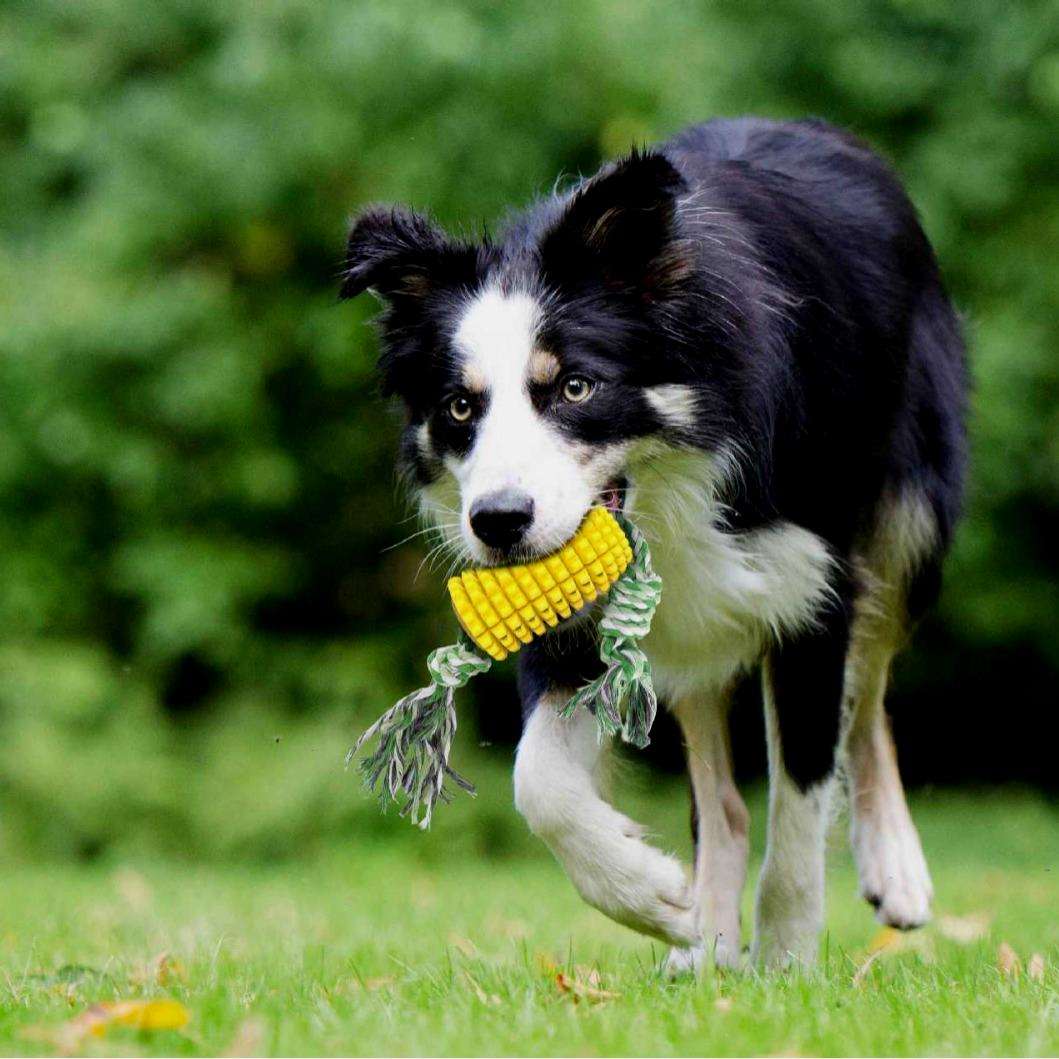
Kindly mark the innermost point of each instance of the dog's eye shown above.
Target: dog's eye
(576, 388)
(461, 409)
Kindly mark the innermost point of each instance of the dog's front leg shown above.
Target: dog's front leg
(804, 686)
(558, 780)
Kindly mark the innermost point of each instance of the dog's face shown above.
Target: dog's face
(530, 368)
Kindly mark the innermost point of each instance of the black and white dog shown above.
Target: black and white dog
(741, 338)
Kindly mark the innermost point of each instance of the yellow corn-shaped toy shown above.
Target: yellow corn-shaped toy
(501, 608)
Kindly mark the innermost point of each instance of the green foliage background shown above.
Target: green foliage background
(196, 486)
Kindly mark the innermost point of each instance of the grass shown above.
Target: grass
(452, 943)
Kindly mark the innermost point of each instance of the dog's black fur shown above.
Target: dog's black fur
(779, 270)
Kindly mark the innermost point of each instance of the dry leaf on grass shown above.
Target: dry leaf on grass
(96, 1021)
(161, 1014)
(1035, 968)
(866, 966)
(489, 999)
(1007, 961)
(588, 975)
(887, 939)
(578, 990)
(163, 969)
(382, 981)
(465, 945)
(965, 929)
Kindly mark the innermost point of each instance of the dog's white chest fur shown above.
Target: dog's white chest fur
(724, 595)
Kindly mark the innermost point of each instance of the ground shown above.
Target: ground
(469, 940)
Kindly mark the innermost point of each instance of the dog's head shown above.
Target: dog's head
(530, 366)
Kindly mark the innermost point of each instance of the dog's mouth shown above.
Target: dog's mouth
(612, 495)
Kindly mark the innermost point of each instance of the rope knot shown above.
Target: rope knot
(452, 666)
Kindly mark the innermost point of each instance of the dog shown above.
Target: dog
(740, 339)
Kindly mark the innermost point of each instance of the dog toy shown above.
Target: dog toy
(501, 608)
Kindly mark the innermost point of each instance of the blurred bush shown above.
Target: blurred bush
(196, 486)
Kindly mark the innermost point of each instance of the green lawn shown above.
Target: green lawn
(451, 942)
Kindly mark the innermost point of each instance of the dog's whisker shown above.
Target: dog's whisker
(426, 531)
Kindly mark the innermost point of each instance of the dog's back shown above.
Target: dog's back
(867, 382)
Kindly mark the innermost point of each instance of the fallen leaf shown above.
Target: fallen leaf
(382, 981)
(1035, 968)
(491, 999)
(866, 966)
(578, 991)
(886, 939)
(889, 941)
(965, 929)
(162, 1014)
(96, 1021)
(1007, 961)
(163, 969)
(465, 945)
(249, 1039)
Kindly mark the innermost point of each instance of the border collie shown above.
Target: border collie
(741, 339)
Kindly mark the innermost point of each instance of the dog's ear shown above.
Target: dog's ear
(621, 227)
(398, 253)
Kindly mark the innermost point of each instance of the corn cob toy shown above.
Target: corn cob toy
(500, 609)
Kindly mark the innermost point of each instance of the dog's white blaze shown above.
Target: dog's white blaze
(514, 446)
(496, 335)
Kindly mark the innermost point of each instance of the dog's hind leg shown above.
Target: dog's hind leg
(558, 777)
(721, 824)
(899, 574)
(893, 872)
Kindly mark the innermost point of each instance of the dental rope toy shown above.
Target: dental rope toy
(501, 608)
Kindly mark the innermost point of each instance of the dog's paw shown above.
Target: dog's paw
(666, 905)
(893, 874)
(683, 961)
(651, 892)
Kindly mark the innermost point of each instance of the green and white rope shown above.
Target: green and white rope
(415, 736)
(626, 685)
(411, 760)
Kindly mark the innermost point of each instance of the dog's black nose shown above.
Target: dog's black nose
(501, 519)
